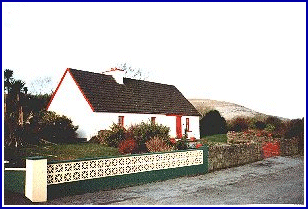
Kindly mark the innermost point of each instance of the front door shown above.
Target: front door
(179, 127)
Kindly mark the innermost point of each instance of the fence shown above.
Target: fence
(47, 180)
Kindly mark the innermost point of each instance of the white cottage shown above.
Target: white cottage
(94, 101)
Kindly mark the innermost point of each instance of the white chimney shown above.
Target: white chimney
(117, 74)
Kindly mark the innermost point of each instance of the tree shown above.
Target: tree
(8, 78)
(41, 86)
(213, 123)
(134, 73)
(14, 115)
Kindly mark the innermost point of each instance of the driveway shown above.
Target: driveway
(278, 180)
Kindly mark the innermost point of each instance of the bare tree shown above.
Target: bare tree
(40, 86)
(134, 73)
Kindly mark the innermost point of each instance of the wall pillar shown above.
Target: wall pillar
(36, 179)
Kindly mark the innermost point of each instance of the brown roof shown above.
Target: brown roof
(134, 96)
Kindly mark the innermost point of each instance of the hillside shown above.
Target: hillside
(227, 110)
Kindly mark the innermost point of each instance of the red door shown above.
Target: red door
(178, 127)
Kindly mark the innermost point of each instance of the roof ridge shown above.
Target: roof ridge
(149, 81)
(123, 77)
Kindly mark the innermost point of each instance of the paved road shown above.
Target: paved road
(278, 180)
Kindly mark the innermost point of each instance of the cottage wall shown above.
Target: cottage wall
(105, 120)
(69, 101)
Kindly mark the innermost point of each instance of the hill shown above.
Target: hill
(227, 110)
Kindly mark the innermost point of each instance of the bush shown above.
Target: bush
(295, 129)
(51, 127)
(99, 138)
(212, 123)
(181, 145)
(260, 125)
(115, 135)
(143, 132)
(239, 124)
(128, 146)
(157, 144)
(275, 121)
(277, 124)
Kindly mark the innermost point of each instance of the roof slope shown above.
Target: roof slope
(135, 96)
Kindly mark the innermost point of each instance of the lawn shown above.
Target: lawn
(218, 138)
(68, 151)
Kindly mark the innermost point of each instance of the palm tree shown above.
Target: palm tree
(13, 109)
(8, 79)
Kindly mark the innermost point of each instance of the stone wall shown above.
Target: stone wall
(225, 156)
(289, 147)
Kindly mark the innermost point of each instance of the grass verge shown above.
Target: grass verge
(217, 138)
(67, 151)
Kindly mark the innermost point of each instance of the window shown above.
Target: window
(121, 121)
(153, 120)
(187, 124)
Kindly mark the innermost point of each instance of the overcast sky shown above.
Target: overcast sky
(252, 54)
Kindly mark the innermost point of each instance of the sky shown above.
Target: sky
(251, 54)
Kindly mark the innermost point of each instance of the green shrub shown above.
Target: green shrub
(51, 127)
(115, 135)
(239, 124)
(260, 125)
(277, 123)
(143, 132)
(100, 137)
(295, 129)
(273, 120)
(181, 145)
(269, 128)
(213, 123)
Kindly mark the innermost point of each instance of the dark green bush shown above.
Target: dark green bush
(51, 127)
(275, 121)
(213, 123)
(181, 145)
(116, 135)
(239, 124)
(260, 125)
(295, 129)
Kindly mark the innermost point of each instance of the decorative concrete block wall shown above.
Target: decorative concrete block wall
(40, 180)
(88, 175)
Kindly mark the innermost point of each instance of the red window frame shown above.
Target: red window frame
(187, 124)
(153, 120)
(121, 121)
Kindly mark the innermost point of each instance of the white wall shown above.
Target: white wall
(69, 101)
